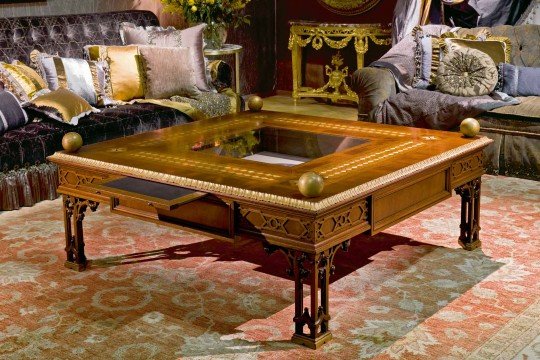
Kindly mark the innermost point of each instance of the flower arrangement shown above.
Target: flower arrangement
(226, 12)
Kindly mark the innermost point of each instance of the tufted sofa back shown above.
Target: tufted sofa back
(525, 41)
(65, 35)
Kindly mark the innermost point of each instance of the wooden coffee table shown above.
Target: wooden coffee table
(236, 177)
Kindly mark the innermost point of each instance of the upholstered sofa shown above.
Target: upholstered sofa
(515, 129)
(25, 175)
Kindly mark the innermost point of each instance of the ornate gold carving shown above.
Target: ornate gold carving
(336, 36)
(289, 227)
(336, 79)
(318, 34)
(76, 178)
(353, 216)
(219, 189)
(468, 165)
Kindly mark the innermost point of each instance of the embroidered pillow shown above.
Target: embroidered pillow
(12, 115)
(62, 105)
(431, 50)
(166, 78)
(191, 38)
(22, 80)
(126, 79)
(85, 78)
(467, 72)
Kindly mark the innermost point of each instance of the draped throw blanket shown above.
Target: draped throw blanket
(435, 110)
(423, 108)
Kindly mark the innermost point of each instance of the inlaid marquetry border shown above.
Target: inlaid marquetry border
(358, 162)
(333, 126)
(225, 190)
(213, 166)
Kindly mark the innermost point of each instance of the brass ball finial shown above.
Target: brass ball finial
(311, 184)
(255, 103)
(71, 142)
(469, 127)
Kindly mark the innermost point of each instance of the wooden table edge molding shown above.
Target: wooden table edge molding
(309, 234)
(239, 193)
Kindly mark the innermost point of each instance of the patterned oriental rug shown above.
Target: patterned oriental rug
(159, 293)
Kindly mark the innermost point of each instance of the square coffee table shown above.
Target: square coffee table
(236, 177)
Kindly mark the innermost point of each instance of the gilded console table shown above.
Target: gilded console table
(336, 36)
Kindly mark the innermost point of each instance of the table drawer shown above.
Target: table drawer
(169, 204)
(392, 206)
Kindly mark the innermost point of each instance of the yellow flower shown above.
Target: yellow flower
(193, 8)
(191, 2)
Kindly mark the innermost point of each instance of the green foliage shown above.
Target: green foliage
(229, 12)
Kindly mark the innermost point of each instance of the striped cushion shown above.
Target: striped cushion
(12, 115)
(85, 78)
(20, 79)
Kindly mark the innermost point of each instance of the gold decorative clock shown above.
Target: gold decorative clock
(348, 7)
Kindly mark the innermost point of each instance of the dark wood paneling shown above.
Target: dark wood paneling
(258, 67)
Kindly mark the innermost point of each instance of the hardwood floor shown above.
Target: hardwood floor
(284, 103)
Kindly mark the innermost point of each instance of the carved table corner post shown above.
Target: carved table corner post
(469, 237)
(74, 209)
(296, 50)
(315, 270)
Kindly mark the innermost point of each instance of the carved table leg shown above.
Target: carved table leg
(315, 269)
(469, 238)
(74, 209)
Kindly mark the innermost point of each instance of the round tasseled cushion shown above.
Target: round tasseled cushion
(467, 72)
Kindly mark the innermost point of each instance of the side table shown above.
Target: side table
(229, 49)
(336, 36)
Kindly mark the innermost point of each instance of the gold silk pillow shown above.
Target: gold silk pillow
(124, 70)
(62, 105)
(22, 80)
(498, 48)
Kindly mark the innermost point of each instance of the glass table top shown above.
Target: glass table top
(278, 146)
